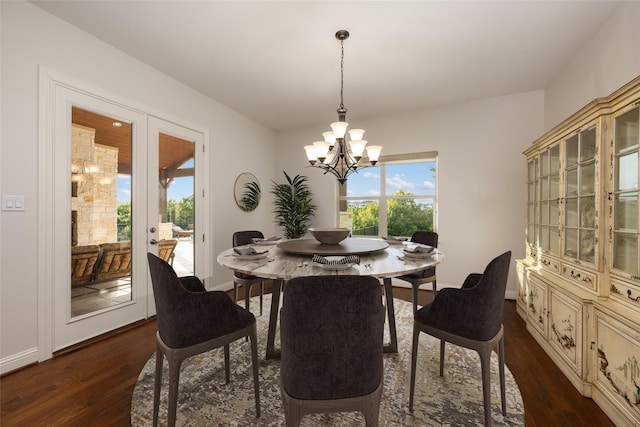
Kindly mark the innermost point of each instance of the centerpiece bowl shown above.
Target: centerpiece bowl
(330, 236)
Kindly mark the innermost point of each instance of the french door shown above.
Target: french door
(124, 184)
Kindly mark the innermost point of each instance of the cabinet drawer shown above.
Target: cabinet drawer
(550, 263)
(626, 293)
(581, 277)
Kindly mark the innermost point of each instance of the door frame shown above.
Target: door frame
(49, 80)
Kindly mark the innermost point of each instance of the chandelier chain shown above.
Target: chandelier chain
(341, 74)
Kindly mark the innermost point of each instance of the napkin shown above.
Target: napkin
(248, 251)
(270, 239)
(419, 249)
(394, 239)
(349, 259)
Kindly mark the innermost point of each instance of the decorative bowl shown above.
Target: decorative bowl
(330, 236)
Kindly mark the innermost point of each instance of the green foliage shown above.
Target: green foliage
(124, 221)
(181, 213)
(293, 206)
(250, 196)
(405, 216)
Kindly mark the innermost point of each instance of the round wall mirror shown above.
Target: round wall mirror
(247, 191)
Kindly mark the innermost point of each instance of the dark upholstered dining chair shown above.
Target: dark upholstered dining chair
(425, 276)
(331, 331)
(192, 321)
(469, 317)
(246, 280)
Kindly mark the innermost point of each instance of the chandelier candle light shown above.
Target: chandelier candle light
(333, 155)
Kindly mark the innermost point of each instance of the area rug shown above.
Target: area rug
(454, 399)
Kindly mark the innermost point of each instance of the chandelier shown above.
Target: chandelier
(333, 154)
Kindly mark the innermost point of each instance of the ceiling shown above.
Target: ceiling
(277, 62)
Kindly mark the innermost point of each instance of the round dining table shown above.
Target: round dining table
(286, 259)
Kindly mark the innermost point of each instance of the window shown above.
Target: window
(396, 197)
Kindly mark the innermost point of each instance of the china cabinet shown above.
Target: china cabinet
(579, 283)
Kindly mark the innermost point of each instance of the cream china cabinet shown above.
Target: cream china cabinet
(579, 284)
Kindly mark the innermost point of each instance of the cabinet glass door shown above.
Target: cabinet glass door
(580, 195)
(625, 192)
(532, 201)
(549, 197)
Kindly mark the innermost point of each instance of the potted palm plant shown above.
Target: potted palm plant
(294, 207)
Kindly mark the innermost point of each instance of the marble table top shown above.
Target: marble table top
(278, 264)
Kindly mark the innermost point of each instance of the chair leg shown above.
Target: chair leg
(414, 295)
(254, 363)
(261, 295)
(485, 362)
(247, 295)
(442, 345)
(157, 386)
(175, 363)
(235, 292)
(414, 357)
(435, 290)
(227, 365)
(501, 369)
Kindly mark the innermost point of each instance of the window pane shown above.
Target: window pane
(572, 182)
(554, 189)
(406, 216)
(361, 216)
(588, 144)
(364, 183)
(411, 178)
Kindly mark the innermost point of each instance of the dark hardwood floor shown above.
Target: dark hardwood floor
(92, 386)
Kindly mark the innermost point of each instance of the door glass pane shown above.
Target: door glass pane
(571, 212)
(554, 188)
(554, 159)
(554, 240)
(544, 188)
(627, 172)
(572, 151)
(571, 242)
(553, 212)
(588, 181)
(544, 163)
(588, 212)
(544, 237)
(587, 241)
(572, 182)
(544, 212)
(101, 208)
(588, 144)
(176, 203)
(627, 131)
(626, 211)
(625, 248)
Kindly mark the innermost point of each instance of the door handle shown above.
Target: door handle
(153, 241)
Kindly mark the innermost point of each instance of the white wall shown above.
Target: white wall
(480, 173)
(609, 60)
(30, 38)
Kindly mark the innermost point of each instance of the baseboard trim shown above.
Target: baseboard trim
(18, 360)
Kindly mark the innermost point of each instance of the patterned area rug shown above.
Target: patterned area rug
(454, 399)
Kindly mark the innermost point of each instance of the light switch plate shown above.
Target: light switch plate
(12, 203)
